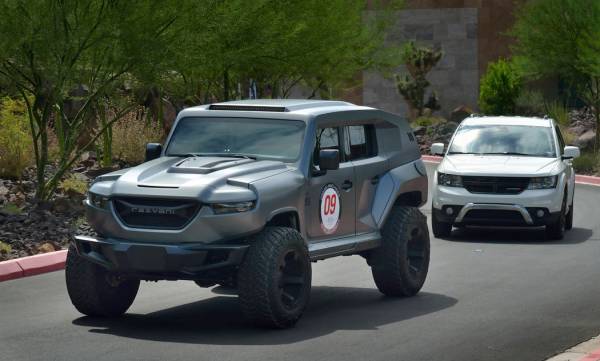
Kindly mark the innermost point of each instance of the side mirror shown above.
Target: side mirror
(153, 151)
(571, 152)
(329, 159)
(437, 149)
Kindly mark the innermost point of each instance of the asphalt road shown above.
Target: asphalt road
(491, 295)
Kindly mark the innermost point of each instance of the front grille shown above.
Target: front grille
(495, 185)
(155, 213)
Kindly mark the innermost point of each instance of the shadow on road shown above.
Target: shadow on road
(219, 320)
(517, 236)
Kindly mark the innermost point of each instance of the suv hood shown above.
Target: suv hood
(206, 178)
(499, 165)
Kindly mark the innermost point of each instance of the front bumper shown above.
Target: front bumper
(489, 214)
(162, 261)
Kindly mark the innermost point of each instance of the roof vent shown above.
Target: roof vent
(251, 108)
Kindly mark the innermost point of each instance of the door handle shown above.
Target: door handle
(375, 180)
(346, 185)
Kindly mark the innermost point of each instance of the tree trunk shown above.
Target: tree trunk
(226, 85)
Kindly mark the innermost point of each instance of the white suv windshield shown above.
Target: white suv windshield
(258, 138)
(504, 139)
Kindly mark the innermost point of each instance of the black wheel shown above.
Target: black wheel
(400, 265)
(556, 230)
(94, 291)
(274, 279)
(440, 229)
(569, 220)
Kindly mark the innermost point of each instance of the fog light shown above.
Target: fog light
(539, 213)
(449, 211)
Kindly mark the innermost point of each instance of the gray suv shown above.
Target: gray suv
(245, 195)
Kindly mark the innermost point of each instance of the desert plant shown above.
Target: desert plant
(419, 60)
(428, 121)
(11, 208)
(499, 88)
(558, 112)
(130, 135)
(587, 163)
(15, 142)
(530, 103)
(74, 185)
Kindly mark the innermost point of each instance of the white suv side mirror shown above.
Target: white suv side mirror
(569, 152)
(437, 149)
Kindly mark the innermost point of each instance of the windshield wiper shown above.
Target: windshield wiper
(228, 155)
(509, 153)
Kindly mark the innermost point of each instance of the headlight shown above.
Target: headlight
(543, 182)
(98, 201)
(235, 207)
(449, 180)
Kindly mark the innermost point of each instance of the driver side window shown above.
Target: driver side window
(327, 138)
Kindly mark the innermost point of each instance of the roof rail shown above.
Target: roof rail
(252, 108)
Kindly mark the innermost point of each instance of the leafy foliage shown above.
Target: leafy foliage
(530, 103)
(419, 60)
(15, 142)
(499, 89)
(74, 185)
(557, 38)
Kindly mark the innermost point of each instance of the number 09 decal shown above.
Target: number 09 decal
(330, 208)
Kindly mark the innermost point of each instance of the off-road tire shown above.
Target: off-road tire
(90, 290)
(268, 299)
(569, 220)
(556, 230)
(400, 264)
(440, 229)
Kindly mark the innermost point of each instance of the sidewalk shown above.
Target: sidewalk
(586, 351)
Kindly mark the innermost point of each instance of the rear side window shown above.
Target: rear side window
(360, 142)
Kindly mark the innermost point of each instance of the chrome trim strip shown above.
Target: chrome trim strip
(492, 206)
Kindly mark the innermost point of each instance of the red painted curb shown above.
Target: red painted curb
(32, 265)
(579, 179)
(594, 356)
(10, 270)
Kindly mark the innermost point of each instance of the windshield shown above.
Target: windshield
(256, 138)
(504, 139)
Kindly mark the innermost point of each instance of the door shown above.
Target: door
(331, 199)
(360, 148)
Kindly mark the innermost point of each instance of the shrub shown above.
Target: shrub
(558, 112)
(74, 185)
(428, 121)
(530, 103)
(12, 209)
(130, 135)
(587, 163)
(499, 89)
(15, 139)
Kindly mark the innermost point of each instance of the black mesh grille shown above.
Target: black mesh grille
(251, 108)
(496, 214)
(155, 213)
(496, 185)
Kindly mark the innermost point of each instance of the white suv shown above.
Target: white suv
(504, 171)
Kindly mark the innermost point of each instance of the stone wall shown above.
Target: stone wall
(456, 78)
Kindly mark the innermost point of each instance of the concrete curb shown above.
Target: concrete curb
(32, 265)
(54, 261)
(579, 179)
(585, 351)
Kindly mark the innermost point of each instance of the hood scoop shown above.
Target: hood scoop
(206, 165)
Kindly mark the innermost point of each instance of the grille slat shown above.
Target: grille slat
(155, 213)
(495, 185)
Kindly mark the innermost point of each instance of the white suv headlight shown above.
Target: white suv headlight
(449, 180)
(543, 182)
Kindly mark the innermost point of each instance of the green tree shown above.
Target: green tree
(562, 38)
(69, 56)
(499, 89)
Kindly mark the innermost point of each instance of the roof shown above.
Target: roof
(268, 107)
(528, 121)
